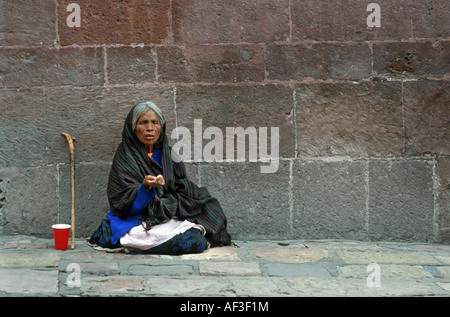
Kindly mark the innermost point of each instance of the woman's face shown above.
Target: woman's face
(148, 129)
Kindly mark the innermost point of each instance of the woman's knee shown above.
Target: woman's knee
(194, 242)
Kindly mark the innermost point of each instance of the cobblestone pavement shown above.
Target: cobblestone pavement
(30, 266)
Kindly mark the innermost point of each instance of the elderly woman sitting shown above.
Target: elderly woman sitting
(154, 208)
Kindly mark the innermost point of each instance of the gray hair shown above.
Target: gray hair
(142, 108)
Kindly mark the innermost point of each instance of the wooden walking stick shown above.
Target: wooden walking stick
(70, 140)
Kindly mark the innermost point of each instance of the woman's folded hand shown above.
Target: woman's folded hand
(153, 181)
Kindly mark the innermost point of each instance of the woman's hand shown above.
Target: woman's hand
(153, 181)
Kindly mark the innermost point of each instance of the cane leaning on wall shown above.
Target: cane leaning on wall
(70, 140)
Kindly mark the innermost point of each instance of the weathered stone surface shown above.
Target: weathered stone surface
(290, 255)
(22, 128)
(239, 106)
(389, 288)
(229, 268)
(443, 272)
(416, 59)
(296, 270)
(443, 200)
(27, 23)
(218, 253)
(424, 247)
(444, 259)
(91, 204)
(356, 120)
(29, 282)
(407, 269)
(48, 259)
(138, 257)
(88, 255)
(329, 200)
(29, 67)
(131, 65)
(444, 286)
(401, 200)
(31, 202)
(319, 61)
(260, 202)
(198, 21)
(166, 270)
(362, 257)
(95, 117)
(84, 115)
(17, 243)
(123, 285)
(427, 117)
(115, 22)
(429, 19)
(189, 286)
(255, 286)
(98, 268)
(205, 63)
(387, 271)
(351, 245)
(310, 286)
(347, 20)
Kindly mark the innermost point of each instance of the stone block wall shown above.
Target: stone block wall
(362, 110)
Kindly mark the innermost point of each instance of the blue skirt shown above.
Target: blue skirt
(191, 241)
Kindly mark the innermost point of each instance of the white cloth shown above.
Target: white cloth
(139, 238)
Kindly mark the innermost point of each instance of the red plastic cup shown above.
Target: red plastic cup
(61, 236)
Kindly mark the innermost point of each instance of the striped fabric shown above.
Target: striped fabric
(179, 196)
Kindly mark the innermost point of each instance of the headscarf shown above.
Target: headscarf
(179, 196)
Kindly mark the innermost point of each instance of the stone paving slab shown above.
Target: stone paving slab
(364, 257)
(166, 270)
(296, 270)
(311, 287)
(30, 266)
(444, 286)
(113, 286)
(228, 254)
(230, 268)
(28, 281)
(189, 286)
(45, 259)
(444, 259)
(389, 288)
(290, 255)
(98, 268)
(443, 272)
(388, 271)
